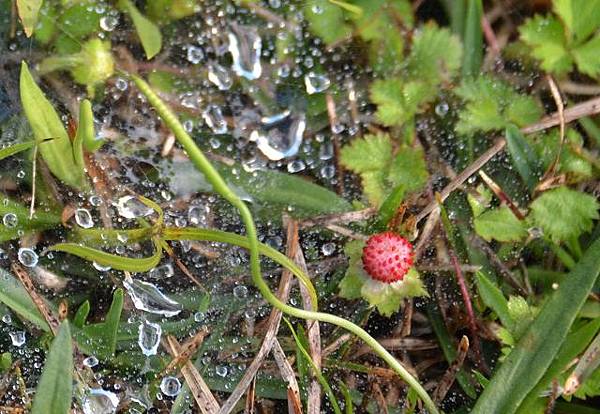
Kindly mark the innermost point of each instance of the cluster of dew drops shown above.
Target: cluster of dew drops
(230, 46)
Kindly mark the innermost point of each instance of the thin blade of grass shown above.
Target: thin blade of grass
(473, 39)
(322, 380)
(54, 391)
(106, 259)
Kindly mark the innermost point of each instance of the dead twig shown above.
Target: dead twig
(313, 334)
(200, 391)
(27, 283)
(289, 376)
(450, 374)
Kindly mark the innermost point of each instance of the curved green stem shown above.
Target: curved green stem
(211, 174)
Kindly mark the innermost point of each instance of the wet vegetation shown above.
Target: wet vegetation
(358, 206)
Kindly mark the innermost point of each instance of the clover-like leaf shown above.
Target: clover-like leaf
(563, 213)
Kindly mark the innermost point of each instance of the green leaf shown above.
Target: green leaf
(564, 214)
(326, 20)
(530, 359)
(587, 57)
(523, 157)
(81, 315)
(46, 124)
(373, 183)
(100, 339)
(28, 13)
(546, 37)
(40, 220)
(387, 297)
(435, 55)
(270, 191)
(350, 286)
(490, 105)
(409, 169)
(54, 392)
(14, 295)
(473, 39)
(389, 207)
(367, 154)
(147, 31)
(85, 128)
(500, 224)
(493, 297)
(106, 259)
(580, 17)
(398, 101)
(5, 361)
(15, 149)
(547, 147)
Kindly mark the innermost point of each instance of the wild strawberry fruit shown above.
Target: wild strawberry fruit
(387, 257)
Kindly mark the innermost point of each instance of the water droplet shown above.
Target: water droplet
(245, 47)
(100, 268)
(194, 54)
(240, 291)
(197, 215)
(280, 137)
(219, 75)
(27, 257)
(121, 84)
(328, 249)
(442, 109)
(199, 316)
(149, 337)
(108, 23)
(161, 272)
(90, 361)
(316, 9)
(295, 166)
(6, 318)
(213, 116)
(10, 220)
(95, 200)
(275, 3)
(316, 83)
(17, 338)
(326, 151)
(84, 218)
(99, 401)
(130, 207)
(149, 298)
(221, 370)
(337, 128)
(170, 386)
(328, 171)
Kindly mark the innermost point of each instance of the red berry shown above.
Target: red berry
(387, 257)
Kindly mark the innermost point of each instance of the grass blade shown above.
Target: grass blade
(54, 391)
(530, 359)
(15, 149)
(523, 157)
(493, 297)
(322, 380)
(14, 295)
(473, 39)
(45, 123)
(147, 31)
(112, 260)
